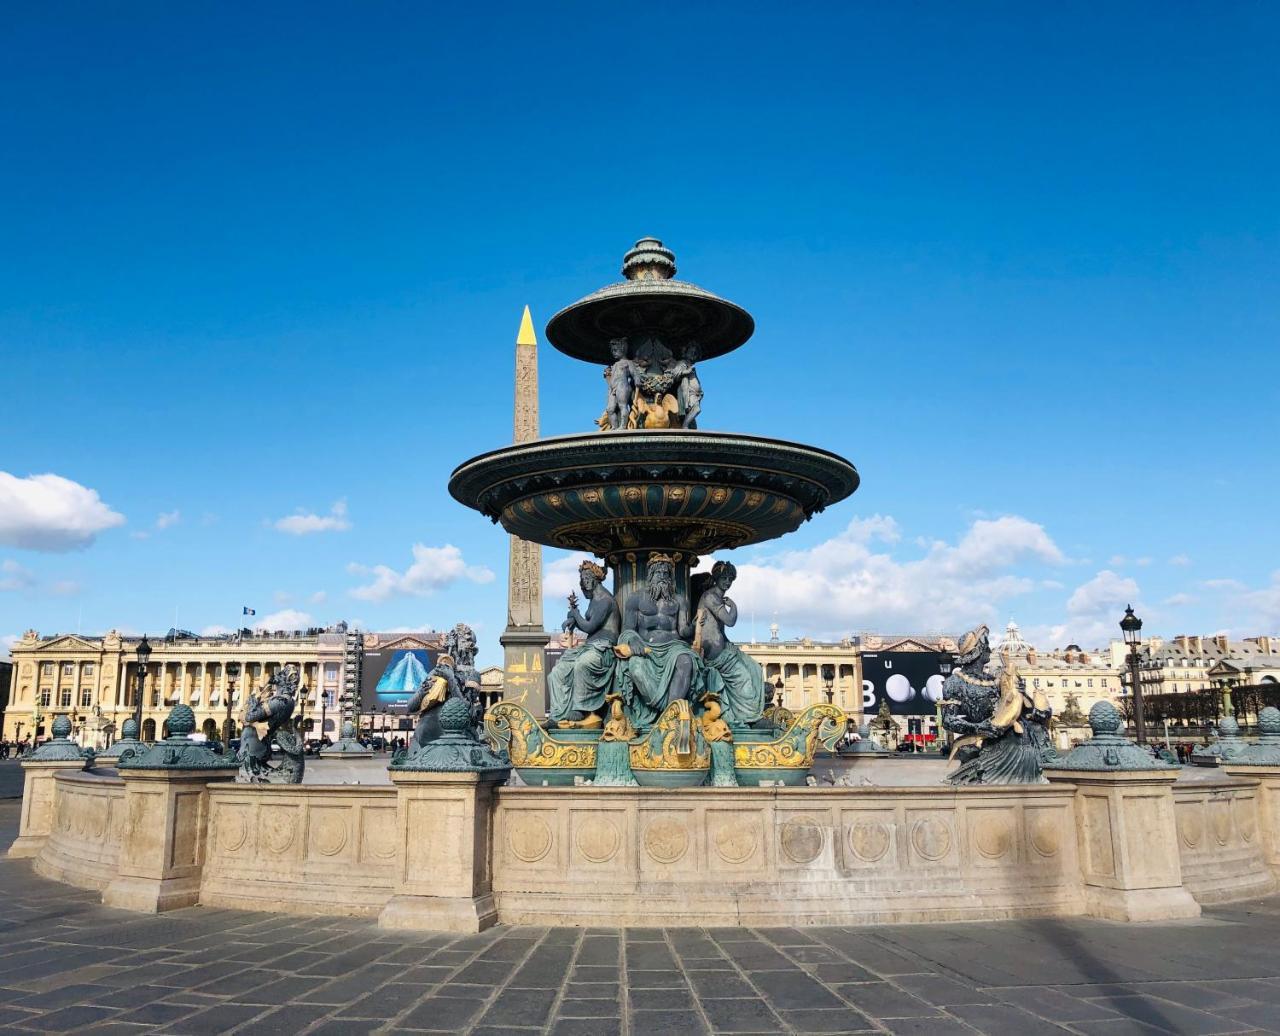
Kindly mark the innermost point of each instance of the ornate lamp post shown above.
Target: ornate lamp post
(233, 670)
(1131, 627)
(946, 662)
(143, 655)
(828, 680)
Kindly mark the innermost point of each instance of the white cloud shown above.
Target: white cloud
(282, 597)
(1117, 561)
(1181, 560)
(14, 577)
(64, 588)
(216, 630)
(1094, 610)
(846, 583)
(433, 568)
(1233, 585)
(285, 619)
(1262, 606)
(319, 597)
(51, 513)
(167, 518)
(1179, 600)
(304, 524)
(1142, 562)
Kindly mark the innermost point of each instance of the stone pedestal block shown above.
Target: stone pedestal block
(164, 839)
(444, 825)
(1268, 778)
(1129, 856)
(37, 804)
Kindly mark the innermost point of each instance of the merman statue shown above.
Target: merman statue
(268, 720)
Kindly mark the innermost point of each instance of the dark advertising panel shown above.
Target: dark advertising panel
(391, 677)
(908, 680)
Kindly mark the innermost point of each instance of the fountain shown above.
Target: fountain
(650, 493)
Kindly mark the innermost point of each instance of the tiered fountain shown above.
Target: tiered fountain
(649, 487)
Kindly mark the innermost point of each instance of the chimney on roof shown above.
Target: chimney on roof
(1264, 644)
(1031, 656)
(1221, 640)
(1183, 642)
(1197, 645)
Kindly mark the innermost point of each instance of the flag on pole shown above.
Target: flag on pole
(250, 611)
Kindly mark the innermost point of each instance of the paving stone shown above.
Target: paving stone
(586, 1027)
(882, 1000)
(1004, 1020)
(69, 1019)
(837, 1020)
(741, 1016)
(530, 1007)
(575, 1007)
(448, 1014)
(671, 979)
(666, 1023)
(716, 985)
(661, 1000)
(1165, 1014)
(158, 1013)
(938, 989)
(786, 991)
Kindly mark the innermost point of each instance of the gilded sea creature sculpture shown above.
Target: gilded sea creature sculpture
(538, 756)
(787, 758)
(674, 753)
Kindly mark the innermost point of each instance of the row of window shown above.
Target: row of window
(86, 669)
(1065, 683)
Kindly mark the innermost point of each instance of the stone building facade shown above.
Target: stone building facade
(94, 680)
(798, 665)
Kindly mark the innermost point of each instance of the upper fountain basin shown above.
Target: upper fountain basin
(698, 491)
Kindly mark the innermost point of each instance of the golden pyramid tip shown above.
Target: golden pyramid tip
(526, 335)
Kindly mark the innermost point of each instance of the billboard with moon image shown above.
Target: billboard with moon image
(908, 680)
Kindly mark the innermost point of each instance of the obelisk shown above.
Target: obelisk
(524, 641)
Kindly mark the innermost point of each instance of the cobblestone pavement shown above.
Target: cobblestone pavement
(68, 964)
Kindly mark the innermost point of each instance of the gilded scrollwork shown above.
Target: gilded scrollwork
(795, 749)
(511, 728)
(675, 742)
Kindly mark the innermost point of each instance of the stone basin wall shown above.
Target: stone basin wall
(301, 848)
(86, 830)
(456, 852)
(784, 856)
(1220, 841)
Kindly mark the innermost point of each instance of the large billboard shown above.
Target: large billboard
(392, 673)
(908, 680)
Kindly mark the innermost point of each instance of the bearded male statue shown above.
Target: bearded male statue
(659, 666)
(579, 681)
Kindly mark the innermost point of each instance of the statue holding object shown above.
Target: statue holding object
(742, 697)
(579, 681)
(622, 376)
(650, 388)
(1003, 728)
(268, 721)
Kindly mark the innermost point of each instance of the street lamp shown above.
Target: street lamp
(946, 663)
(143, 655)
(777, 692)
(233, 670)
(829, 679)
(1131, 627)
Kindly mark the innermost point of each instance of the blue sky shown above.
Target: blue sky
(1018, 263)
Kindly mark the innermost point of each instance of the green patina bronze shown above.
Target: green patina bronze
(127, 746)
(1109, 749)
(177, 751)
(455, 749)
(1266, 751)
(61, 749)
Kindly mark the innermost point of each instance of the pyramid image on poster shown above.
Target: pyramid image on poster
(405, 673)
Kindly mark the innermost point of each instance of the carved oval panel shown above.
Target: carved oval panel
(931, 838)
(736, 840)
(801, 839)
(1220, 818)
(329, 834)
(1046, 835)
(598, 840)
(869, 840)
(233, 832)
(380, 834)
(993, 836)
(1190, 826)
(528, 837)
(98, 819)
(1246, 818)
(666, 840)
(279, 828)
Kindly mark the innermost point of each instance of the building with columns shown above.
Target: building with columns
(94, 680)
(794, 670)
